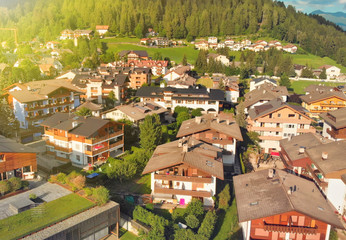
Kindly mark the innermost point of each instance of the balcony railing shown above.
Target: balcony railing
(59, 148)
(193, 193)
(37, 107)
(289, 229)
(322, 184)
(105, 148)
(100, 139)
(183, 178)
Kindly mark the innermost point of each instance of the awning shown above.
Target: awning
(275, 154)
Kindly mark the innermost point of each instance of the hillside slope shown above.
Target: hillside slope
(339, 18)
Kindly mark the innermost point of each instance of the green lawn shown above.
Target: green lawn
(46, 214)
(298, 86)
(227, 226)
(315, 61)
(121, 39)
(141, 185)
(175, 54)
(207, 82)
(126, 235)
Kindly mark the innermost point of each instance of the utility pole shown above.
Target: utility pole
(15, 34)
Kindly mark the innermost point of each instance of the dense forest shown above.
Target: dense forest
(177, 19)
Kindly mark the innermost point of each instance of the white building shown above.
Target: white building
(102, 29)
(334, 124)
(256, 82)
(181, 171)
(212, 40)
(331, 71)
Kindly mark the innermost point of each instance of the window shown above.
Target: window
(279, 115)
(262, 124)
(78, 158)
(291, 115)
(2, 157)
(270, 115)
(276, 133)
(278, 125)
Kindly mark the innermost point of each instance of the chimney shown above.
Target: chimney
(301, 150)
(180, 143)
(324, 155)
(198, 119)
(208, 90)
(271, 173)
(228, 121)
(218, 120)
(185, 148)
(74, 124)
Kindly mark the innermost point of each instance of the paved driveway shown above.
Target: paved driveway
(45, 190)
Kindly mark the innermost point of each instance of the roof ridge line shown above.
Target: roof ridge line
(289, 199)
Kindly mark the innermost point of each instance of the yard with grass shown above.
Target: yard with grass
(44, 215)
(299, 86)
(126, 235)
(315, 61)
(120, 40)
(138, 186)
(207, 82)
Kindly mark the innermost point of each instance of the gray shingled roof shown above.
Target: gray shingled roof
(10, 146)
(199, 153)
(335, 118)
(258, 196)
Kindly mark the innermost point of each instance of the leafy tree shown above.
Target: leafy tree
(323, 74)
(224, 197)
(84, 112)
(241, 117)
(185, 234)
(120, 170)
(9, 126)
(183, 116)
(192, 221)
(285, 81)
(100, 195)
(307, 73)
(5, 187)
(16, 183)
(157, 56)
(184, 61)
(150, 132)
(195, 207)
(179, 109)
(207, 227)
(131, 132)
(196, 112)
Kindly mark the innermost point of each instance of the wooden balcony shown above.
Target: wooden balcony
(336, 133)
(62, 159)
(192, 193)
(289, 229)
(100, 139)
(322, 184)
(59, 148)
(267, 129)
(274, 138)
(182, 178)
(332, 105)
(38, 107)
(105, 148)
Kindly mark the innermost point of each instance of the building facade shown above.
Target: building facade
(83, 140)
(334, 124)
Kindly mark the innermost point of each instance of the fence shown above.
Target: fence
(131, 225)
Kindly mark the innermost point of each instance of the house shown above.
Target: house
(183, 170)
(290, 48)
(319, 99)
(158, 67)
(276, 120)
(218, 130)
(202, 45)
(221, 45)
(246, 42)
(16, 160)
(328, 170)
(185, 81)
(261, 42)
(100, 88)
(145, 41)
(220, 58)
(293, 151)
(257, 48)
(212, 40)
(67, 34)
(331, 71)
(209, 100)
(102, 29)
(231, 90)
(139, 76)
(33, 102)
(134, 55)
(161, 41)
(95, 109)
(334, 124)
(229, 42)
(256, 82)
(83, 140)
(274, 43)
(298, 69)
(135, 112)
(176, 73)
(46, 63)
(274, 204)
(83, 33)
(52, 45)
(263, 94)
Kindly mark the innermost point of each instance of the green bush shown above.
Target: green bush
(150, 218)
(196, 112)
(5, 187)
(149, 206)
(192, 221)
(32, 196)
(61, 178)
(88, 191)
(195, 207)
(78, 182)
(16, 183)
(25, 184)
(72, 175)
(100, 195)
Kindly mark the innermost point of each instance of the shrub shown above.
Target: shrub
(195, 207)
(224, 198)
(5, 187)
(88, 191)
(100, 195)
(196, 112)
(149, 206)
(32, 196)
(16, 183)
(207, 227)
(72, 175)
(79, 182)
(61, 177)
(192, 221)
(53, 179)
(25, 184)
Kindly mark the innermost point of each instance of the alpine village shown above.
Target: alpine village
(172, 120)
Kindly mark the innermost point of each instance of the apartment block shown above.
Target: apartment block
(277, 120)
(183, 170)
(139, 76)
(334, 124)
(83, 140)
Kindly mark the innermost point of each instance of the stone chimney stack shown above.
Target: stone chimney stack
(324, 155)
(271, 173)
(185, 148)
(198, 119)
(180, 143)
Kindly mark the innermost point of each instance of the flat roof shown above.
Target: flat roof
(10, 146)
